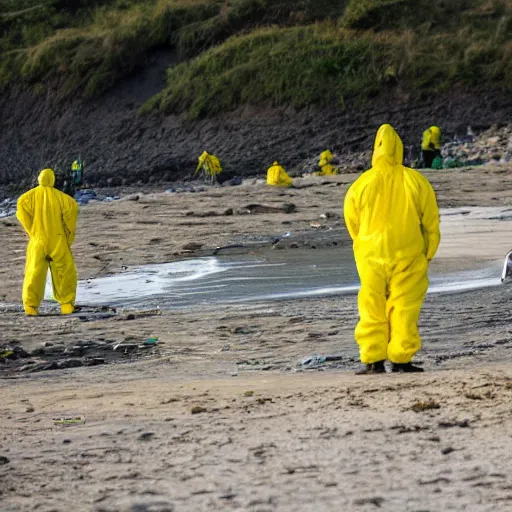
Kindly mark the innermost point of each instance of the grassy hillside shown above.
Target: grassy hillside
(234, 52)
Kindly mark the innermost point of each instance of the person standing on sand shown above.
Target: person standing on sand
(431, 145)
(49, 217)
(392, 216)
(210, 166)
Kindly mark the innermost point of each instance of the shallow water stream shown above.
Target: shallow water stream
(234, 279)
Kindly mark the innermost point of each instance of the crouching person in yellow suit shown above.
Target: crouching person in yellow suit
(49, 217)
(392, 216)
(277, 176)
(326, 168)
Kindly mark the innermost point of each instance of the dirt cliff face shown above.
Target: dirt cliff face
(121, 148)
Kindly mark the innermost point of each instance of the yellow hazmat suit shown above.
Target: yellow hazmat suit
(431, 139)
(327, 169)
(277, 176)
(210, 164)
(49, 218)
(392, 216)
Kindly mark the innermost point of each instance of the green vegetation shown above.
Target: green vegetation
(235, 52)
(90, 47)
(299, 65)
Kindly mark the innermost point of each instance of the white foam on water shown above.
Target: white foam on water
(183, 283)
(466, 280)
(252, 278)
(144, 282)
(449, 287)
(461, 286)
(255, 264)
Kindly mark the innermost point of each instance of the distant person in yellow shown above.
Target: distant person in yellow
(326, 168)
(431, 145)
(392, 216)
(210, 166)
(49, 218)
(277, 176)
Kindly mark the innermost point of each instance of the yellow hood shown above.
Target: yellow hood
(46, 178)
(388, 148)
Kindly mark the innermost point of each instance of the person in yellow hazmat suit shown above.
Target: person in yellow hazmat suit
(277, 176)
(431, 145)
(49, 217)
(210, 166)
(392, 216)
(326, 168)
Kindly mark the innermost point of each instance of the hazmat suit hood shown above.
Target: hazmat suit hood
(277, 176)
(388, 150)
(391, 211)
(435, 131)
(46, 178)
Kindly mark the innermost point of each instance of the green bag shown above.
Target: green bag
(437, 163)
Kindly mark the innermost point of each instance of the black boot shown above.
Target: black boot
(373, 368)
(405, 368)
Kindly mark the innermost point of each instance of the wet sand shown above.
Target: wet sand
(221, 415)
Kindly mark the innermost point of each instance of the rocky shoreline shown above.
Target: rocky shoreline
(122, 148)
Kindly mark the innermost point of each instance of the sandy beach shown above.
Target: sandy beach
(221, 415)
